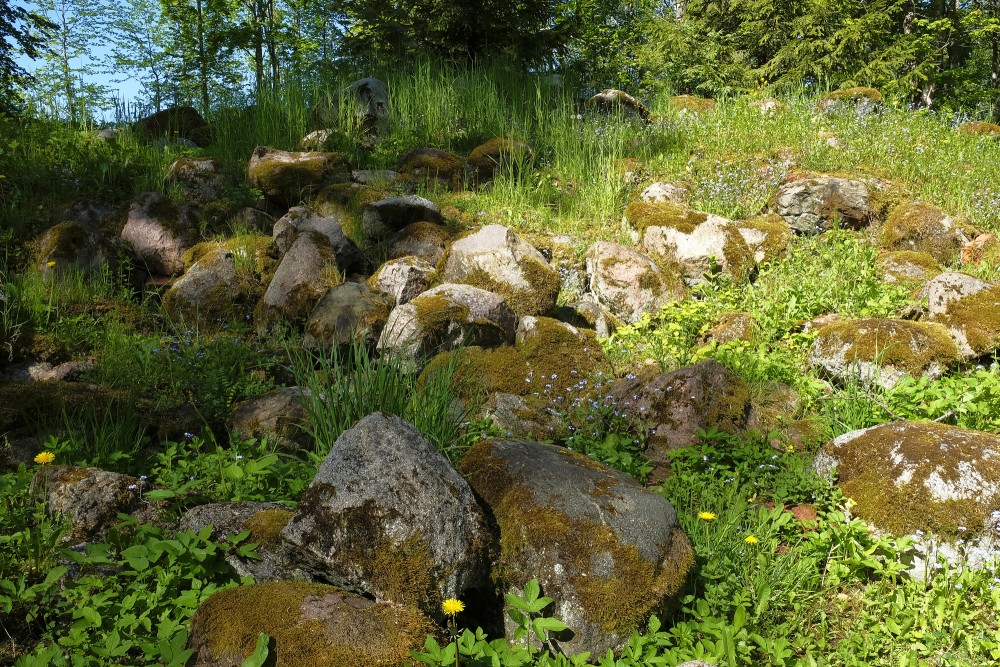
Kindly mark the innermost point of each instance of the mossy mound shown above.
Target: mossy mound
(910, 476)
(289, 177)
(925, 228)
(691, 103)
(731, 327)
(768, 236)
(311, 625)
(857, 95)
(255, 253)
(906, 266)
(974, 322)
(980, 129)
(432, 164)
(495, 154)
(640, 215)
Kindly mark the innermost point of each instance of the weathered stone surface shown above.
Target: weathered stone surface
(388, 516)
(947, 288)
(178, 122)
(311, 625)
(496, 259)
(922, 476)
(77, 246)
(767, 236)
(732, 327)
(907, 267)
(628, 283)
(715, 244)
(278, 416)
(289, 177)
(159, 231)
(253, 220)
(404, 279)
(306, 272)
(658, 193)
(318, 140)
(769, 106)
(973, 321)
(882, 352)
(677, 404)
(446, 317)
(208, 291)
(811, 205)
(528, 417)
(382, 218)
(200, 178)
(367, 98)
(373, 176)
(499, 153)
(925, 228)
(42, 371)
(347, 313)
(420, 239)
(608, 552)
(91, 498)
(302, 219)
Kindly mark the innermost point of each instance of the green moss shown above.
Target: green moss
(892, 262)
(920, 228)
(266, 525)
(873, 468)
(777, 235)
(288, 180)
(639, 215)
(536, 299)
(311, 625)
(692, 103)
(734, 326)
(434, 164)
(434, 312)
(907, 346)
(854, 95)
(61, 243)
(978, 317)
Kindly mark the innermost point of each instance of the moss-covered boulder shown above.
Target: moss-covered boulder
(907, 266)
(529, 417)
(305, 273)
(974, 322)
(628, 283)
(263, 521)
(79, 247)
(496, 259)
(302, 219)
(607, 551)
(691, 104)
(199, 178)
(446, 317)
(420, 239)
(159, 231)
(905, 477)
(310, 625)
(978, 128)
(404, 279)
(432, 166)
(813, 205)
(290, 177)
(212, 292)
(613, 101)
(497, 154)
(278, 416)
(90, 498)
(388, 216)
(730, 327)
(677, 404)
(348, 313)
(175, 122)
(925, 228)
(948, 287)
(857, 98)
(712, 245)
(768, 236)
(387, 515)
(882, 352)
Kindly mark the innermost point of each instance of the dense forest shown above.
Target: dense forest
(215, 53)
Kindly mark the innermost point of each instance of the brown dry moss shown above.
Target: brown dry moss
(692, 103)
(852, 95)
(980, 128)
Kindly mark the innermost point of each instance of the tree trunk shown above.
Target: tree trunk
(202, 57)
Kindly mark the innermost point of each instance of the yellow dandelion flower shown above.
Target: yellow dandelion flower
(50, 264)
(706, 516)
(452, 606)
(45, 457)
(750, 539)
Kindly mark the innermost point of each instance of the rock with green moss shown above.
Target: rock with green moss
(714, 245)
(74, 246)
(973, 320)
(925, 228)
(211, 292)
(497, 154)
(388, 216)
(859, 99)
(676, 405)
(640, 215)
(199, 178)
(305, 273)
(496, 259)
(386, 515)
(923, 478)
(446, 317)
(310, 625)
(882, 352)
(905, 266)
(607, 551)
(691, 104)
(768, 236)
(278, 416)
(291, 177)
(978, 128)
(302, 219)
(613, 101)
(529, 417)
(420, 239)
(348, 313)
(946, 288)
(404, 279)
(159, 231)
(252, 220)
(628, 283)
(90, 498)
(432, 166)
(813, 205)
(264, 522)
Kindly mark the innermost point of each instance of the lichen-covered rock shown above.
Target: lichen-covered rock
(949, 287)
(905, 266)
(387, 216)
(691, 104)
(715, 244)
(980, 128)
(347, 313)
(264, 522)
(730, 327)
(420, 239)
(432, 165)
(607, 551)
(310, 625)
(659, 193)
(76, 246)
(811, 205)
(388, 516)
(882, 352)
(594, 315)
(858, 98)
(496, 259)
(769, 106)
(302, 219)
(404, 279)
(677, 404)
(767, 236)
(159, 231)
(446, 317)
(628, 283)
(177, 122)
(278, 416)
(290, 177)
(529, 417)
(925, 228)
(499, 153)
(305, 273)
(973, 321)
(613, 101)
(921, 476)
(210, 292)
(200, 178)
(90, 498)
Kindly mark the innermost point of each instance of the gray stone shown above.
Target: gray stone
(404, 279)
(200, 178)
(278, 416)
(382, 218)
(306, 272)
(302, 219)
(290, 177)
(715, 243)
(347, 313)
(159, 231)
(811, 205)
(665, 192)
(421, 239)
(90, 498)
(628, 283)
(949, 287)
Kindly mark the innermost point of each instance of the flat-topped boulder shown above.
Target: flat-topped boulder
(289, 177)
(812, 205)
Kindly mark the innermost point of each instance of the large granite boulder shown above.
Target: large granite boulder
(305, 273)
(159, 231)
(309, 624)
(419, 239)
(290, 177)
(497, 154)
(211, 292)
(607, 551)
(948, 288)
(367, 105)
(387, 216)
(629, 284)
(387, 516)
(496, 259)
(767, 236)
(347, 313)
(200, 178)
(811, 205)
(73, 245)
